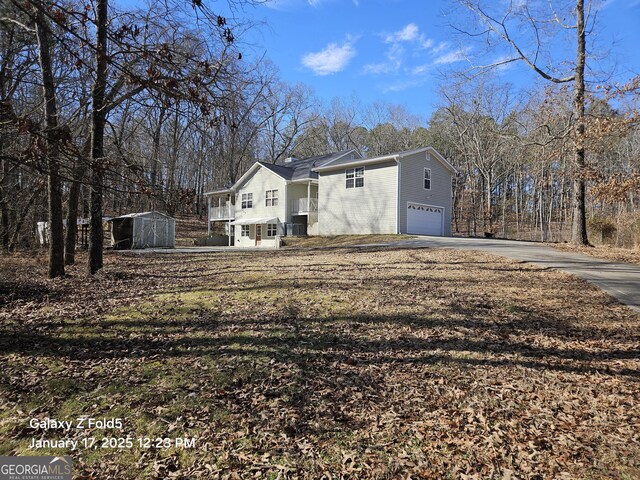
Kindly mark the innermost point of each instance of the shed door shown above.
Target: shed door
(425, 219)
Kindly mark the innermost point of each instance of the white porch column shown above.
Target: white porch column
(208, 216)
(309, 196)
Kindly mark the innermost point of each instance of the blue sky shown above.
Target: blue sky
(398, 50)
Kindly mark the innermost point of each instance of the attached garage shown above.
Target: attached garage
(425, 219)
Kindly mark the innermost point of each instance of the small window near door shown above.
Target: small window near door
(355, 177)
(272, 198)
(244, 230)
(427, 179)
(247, 200)
(272, 229)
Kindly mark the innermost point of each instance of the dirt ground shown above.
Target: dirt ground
(345, 363)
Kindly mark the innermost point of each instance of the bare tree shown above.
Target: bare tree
(53, 137)
(528, 30)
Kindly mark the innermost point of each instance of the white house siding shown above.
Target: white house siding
(370, 209)
(258, 184)
(412, 187)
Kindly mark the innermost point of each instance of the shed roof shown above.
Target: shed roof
(141, 214)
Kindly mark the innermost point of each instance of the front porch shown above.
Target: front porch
(257, 232)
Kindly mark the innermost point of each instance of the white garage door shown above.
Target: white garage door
(424, 219)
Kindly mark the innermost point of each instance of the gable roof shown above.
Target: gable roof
(345, 162)
(296, 169)
(304, 169)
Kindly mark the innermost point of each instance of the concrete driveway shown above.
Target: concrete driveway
(620, 280)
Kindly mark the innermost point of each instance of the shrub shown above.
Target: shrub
(602, 228)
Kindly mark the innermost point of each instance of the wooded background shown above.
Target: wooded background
(185, 109)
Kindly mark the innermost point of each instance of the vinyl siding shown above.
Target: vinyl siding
(412, 187)
(371, 209)
(258, 184)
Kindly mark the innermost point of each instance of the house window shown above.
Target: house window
(272, 198)
(244, 230)
(427, 179)
(247, 200)
(272, 229)
(355, 177)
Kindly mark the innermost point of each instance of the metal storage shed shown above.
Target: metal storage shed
(143, 230)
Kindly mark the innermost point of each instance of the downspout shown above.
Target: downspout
(308, 205)
(229, 217)
(208, 215)
(286, 206)
(399, 187)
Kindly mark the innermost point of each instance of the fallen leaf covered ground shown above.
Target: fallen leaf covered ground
(604, 252)
(345, 363)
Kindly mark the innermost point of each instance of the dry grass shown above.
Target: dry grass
(188, 228)
(348, 363)
(342, 240)
(605, 252)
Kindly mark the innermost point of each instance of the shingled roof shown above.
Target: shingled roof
(302, 169)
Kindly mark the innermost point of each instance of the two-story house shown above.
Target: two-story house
(271, 200)
(341, 193)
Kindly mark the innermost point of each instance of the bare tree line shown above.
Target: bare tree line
(178, 112)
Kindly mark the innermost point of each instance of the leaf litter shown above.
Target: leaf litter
(342, 363)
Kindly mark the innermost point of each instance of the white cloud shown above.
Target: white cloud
(377, 68)
(427, 43)
(408, 37)
(407, 34)
(441, 46)
(395, 56)
(403, 85)
(452, 56)
(419, 70)
(332, 59)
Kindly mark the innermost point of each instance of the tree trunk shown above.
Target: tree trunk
(98, 117)
(72, 210)
(579, 229)
(56, 229)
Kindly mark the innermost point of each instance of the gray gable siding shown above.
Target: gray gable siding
(349, 211)
(412, 187)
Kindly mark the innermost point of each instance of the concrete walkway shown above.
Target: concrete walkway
(620, 280)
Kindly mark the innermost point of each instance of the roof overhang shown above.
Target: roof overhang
(304, 181)
(385, 158)
(357, 163)
(254, 221)
(224, 191)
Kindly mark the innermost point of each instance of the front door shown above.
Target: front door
(258, 234)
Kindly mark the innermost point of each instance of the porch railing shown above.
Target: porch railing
(220, 213)
(304, 205)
